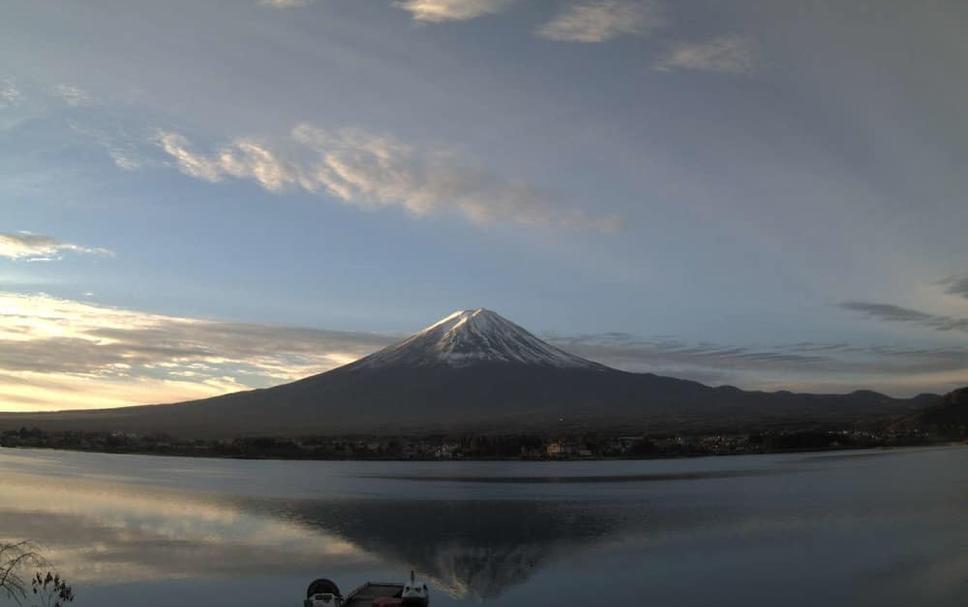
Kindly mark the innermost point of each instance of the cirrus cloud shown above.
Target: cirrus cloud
(285, 3)
(727, 54)
(39, 247)
(377, 171)
(601, 20)
(10, 94)
(438, 11)
(73, 96)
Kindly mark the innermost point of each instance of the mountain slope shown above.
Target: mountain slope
(475, 370)
(949, 416)
(469, 337)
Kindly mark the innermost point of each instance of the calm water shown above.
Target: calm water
(857, 528)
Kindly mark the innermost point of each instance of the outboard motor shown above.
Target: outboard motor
(414, 594)
(323, 593)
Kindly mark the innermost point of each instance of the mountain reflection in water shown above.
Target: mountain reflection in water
(470, 548)
(874, 528)
(99, 531)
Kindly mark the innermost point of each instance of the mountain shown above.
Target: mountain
(949, 416)
(471, 337)
(475, 370)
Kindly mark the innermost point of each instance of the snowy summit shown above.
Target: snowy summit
(468, 337)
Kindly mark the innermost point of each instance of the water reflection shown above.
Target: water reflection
(794, 530)
(474, 549)
(108, 533)
(101, 532)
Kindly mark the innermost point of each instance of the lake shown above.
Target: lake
(837, 528)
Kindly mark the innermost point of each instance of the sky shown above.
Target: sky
(198, 197)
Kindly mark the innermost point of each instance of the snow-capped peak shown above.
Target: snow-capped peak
(467, 337)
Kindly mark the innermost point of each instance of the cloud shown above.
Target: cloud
(10, 95)
(601, 20)
(190, 163)
(60, 353)
(728, 54)
(124, 149)
(629, 352)
(957, 286)
(72, 95)
(38, 247)
(888, 312)
(804, 366)
(377, 171)
(285, 3)
(437, 11)
(892, 313)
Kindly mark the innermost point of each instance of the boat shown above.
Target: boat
(324, 592)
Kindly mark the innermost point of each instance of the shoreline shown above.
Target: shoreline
(932, 442)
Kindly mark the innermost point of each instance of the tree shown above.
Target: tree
(13, 559)
(51, 590)
(46, 587)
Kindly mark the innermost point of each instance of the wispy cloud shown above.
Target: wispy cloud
(956, 286)
(892, 313)
(125, 149)
(60, 353)
(802, 366)
(39, 247)
(10, 94)
(285, 3)
(437, 11)
(601, 20)
(727, 54)
(73, 95)
(377, 171)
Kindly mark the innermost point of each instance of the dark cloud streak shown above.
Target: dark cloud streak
(633, 353)
(893, 313)
(957, 286)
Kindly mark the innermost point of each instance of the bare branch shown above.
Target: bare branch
(13, 559)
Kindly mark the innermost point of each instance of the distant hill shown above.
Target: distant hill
(475, 370)
(950, 415)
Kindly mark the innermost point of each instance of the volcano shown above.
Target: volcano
(477, 371)
(474, 337)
